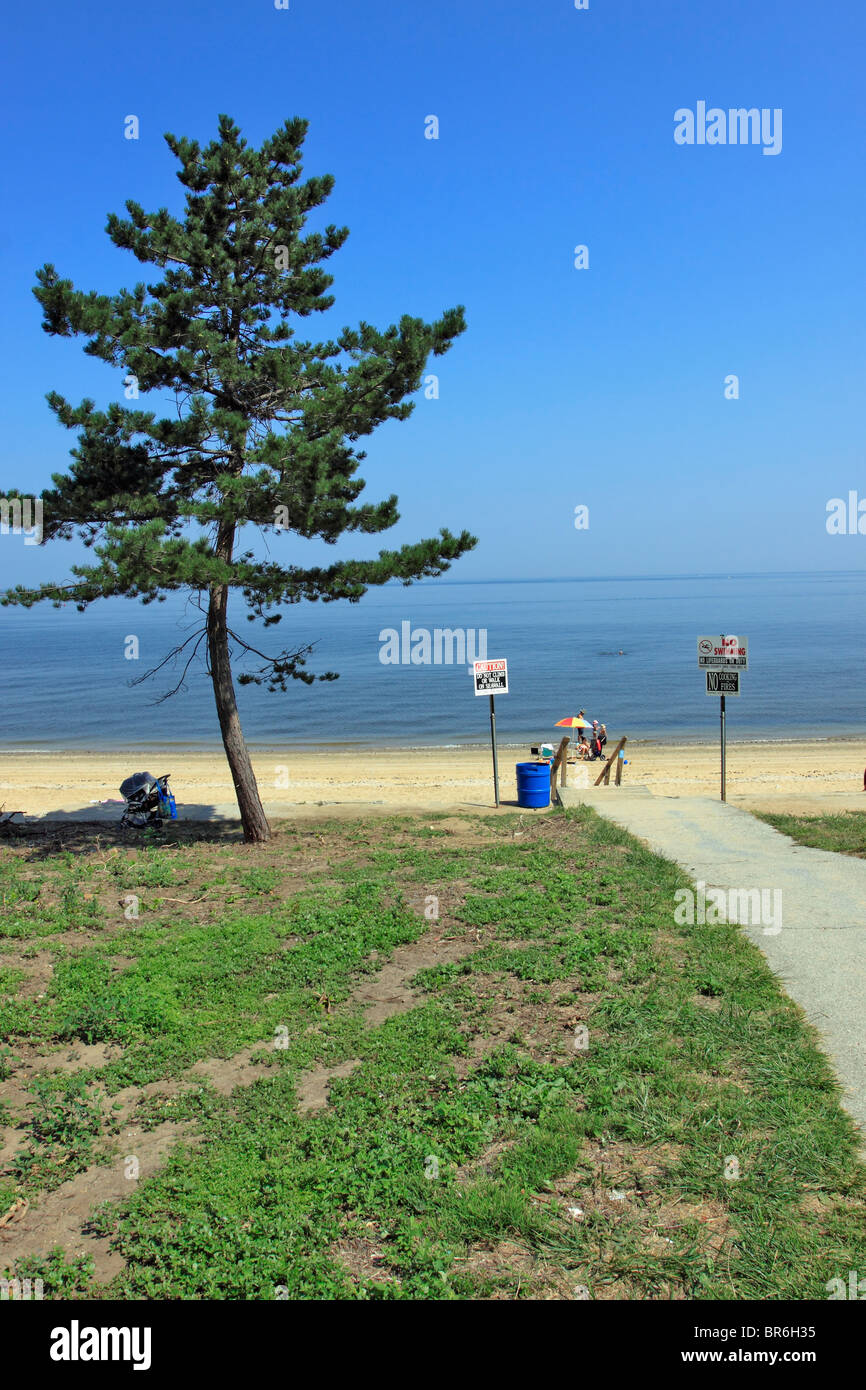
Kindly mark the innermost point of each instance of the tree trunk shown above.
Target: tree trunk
(253, 819)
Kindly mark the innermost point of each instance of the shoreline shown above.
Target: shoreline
(824, 773)
(509, 743)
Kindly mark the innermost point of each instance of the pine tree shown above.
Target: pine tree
(264, 429)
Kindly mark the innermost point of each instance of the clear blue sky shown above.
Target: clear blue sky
(603, 386)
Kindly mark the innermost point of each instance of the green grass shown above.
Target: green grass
(845, 833)
(445, 1165)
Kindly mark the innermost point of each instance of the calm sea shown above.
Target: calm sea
(624, 649)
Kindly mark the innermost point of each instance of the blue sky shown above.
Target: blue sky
(602, 387)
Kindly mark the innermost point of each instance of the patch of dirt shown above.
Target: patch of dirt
(62, 1217)
(131, 1097)
(363, 1260)
(225, 1073)
(817, 1204)
(479, 1046)
(465, 832)
(716, 1079)
(11, 1139)
(314, 1086)
(38, 969)
(71, 1057)
(517, 1273)
(15, 1092)
(485, 1164)
(548, 1030)
(388, 993)
(619, 1162)
(714, 1220)
(713, 1002)
(628, 1182)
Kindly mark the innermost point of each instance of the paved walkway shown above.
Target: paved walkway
(820, 953)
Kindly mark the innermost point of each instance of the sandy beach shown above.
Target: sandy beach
(814, 776)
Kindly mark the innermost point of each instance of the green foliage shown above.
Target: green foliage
(63, 1128)
(264, 424)
(260, 880)
(844, 832)
(62, 1278)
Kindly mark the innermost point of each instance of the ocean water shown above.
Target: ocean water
(624, 649)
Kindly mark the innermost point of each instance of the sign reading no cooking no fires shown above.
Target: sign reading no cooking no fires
(723, 682)
(491, 677)
(723, 653)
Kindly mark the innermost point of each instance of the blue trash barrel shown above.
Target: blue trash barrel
(533, 784)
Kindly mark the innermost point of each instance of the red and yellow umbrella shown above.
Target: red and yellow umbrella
(574, 721)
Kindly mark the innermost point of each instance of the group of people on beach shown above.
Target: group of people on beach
(591, 742)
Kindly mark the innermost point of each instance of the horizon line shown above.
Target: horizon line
(607, 578)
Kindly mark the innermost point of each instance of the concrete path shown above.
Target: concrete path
(820, 952)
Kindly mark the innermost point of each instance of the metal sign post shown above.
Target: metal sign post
(493, 744)
(722, 659)
(722, 718)
(490, 677)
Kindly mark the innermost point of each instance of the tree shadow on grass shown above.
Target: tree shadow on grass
(83, 832)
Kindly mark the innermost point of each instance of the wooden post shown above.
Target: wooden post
(604, 775)
(619, 762)
(560, 761)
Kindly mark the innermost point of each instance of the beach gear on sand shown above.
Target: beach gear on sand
(148, 801)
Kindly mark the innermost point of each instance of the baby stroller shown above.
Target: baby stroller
(148, 801)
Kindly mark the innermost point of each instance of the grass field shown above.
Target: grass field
(845, 833)
(414, 1058)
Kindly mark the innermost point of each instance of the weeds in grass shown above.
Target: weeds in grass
(451, 1162)
(62, 1133)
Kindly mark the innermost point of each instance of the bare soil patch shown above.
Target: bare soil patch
(314, 1086)
(63, 1217)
